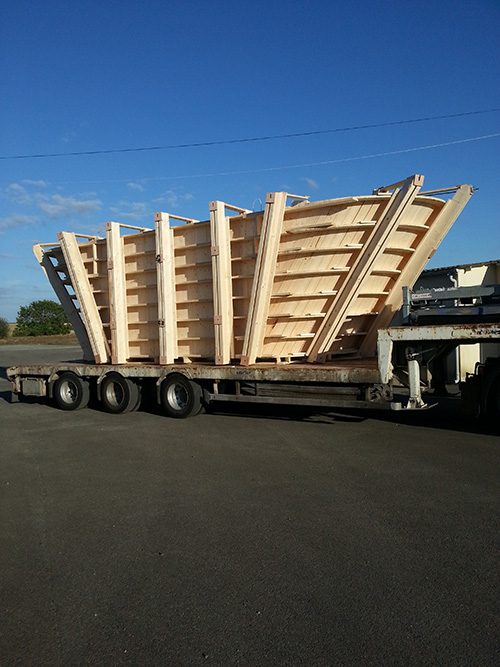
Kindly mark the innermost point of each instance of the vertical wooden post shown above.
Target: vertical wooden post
(66, 301)
(165, 270)
(117, 294)
(222, 283)
(265, 269)
(83, 290)
(331, 325)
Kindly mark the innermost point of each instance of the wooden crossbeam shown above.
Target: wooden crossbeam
(85, 296)
(265, 268)
(416, 264)
(67, 302)
(117, 294)
(165, 268)
(329, 328)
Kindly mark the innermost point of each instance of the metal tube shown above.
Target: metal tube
(415, 401)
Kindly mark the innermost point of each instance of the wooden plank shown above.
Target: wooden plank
(167, 312)
(424, 251)
(65, 299)
(368, 256)
(117, 294)
(83, 291)
(222, 283)
(264, 277)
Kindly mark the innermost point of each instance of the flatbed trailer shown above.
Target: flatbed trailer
(184, 389)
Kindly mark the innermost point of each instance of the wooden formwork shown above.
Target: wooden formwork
(306, 281)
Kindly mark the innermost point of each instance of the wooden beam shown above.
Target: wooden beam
(367, 258)
(265, 268)
(222, 283)
(165, 271)
(65, 299)
(83, 291)
(426, 248)
(117, 294)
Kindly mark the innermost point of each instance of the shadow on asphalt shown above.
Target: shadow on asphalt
(445, 415)
(438, 418)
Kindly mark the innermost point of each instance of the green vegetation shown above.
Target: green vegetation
(41, 318)
(4, 328)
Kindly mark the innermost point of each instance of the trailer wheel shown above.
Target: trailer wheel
(120, 394)
(71, 392)
(180, 397)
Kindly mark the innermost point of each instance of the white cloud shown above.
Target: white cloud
(18, 195)
(16, 220)
(57, 206)
(132, 211)
(37, 184)
(311, 183)
(173, 200)
(136, 186)
(16, 189)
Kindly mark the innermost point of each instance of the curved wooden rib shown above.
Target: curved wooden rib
(360, 274)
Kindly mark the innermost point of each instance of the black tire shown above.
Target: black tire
(71, 392)
(119, 394)
(180, 397)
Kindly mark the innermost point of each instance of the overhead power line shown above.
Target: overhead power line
(248, 139)
(289, 166)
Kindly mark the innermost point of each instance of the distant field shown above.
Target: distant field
(66, 339)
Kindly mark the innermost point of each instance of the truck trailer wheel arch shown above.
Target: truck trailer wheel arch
(71, 392)
(180, 397)
(119, 394)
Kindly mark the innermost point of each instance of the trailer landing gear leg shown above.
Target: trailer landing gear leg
(415, 401)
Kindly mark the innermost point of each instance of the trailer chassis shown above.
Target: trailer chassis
(348, 383)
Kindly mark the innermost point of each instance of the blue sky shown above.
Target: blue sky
(88, 76)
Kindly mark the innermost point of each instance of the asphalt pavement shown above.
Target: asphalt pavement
(250, 537)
